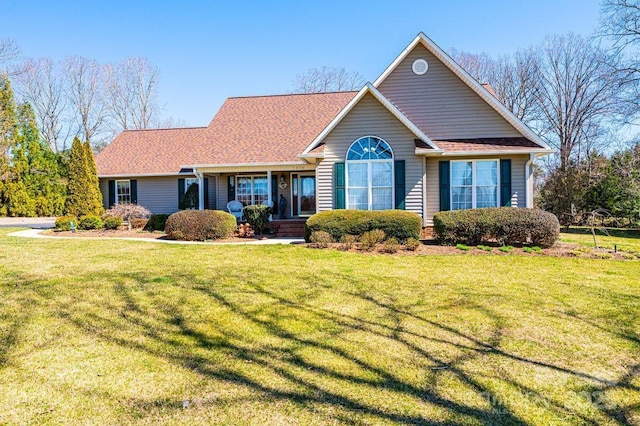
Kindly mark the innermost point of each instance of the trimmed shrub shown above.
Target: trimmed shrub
(504, 225)
(347, 242)
(391, 246)
(138, 223)
(90, 221)
(369, 239)
(200, 225)
(257, 216)
(156, 222)
(321, 239)
(63, 223)
(412, 244)
(112, 223)
(398, 224)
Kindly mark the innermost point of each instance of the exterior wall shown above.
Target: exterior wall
(213, 192)
(518, 182)
(158, 194)
(441, 104)
(369, 117)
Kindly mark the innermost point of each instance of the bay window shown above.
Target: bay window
(369, 174)
(474, 184)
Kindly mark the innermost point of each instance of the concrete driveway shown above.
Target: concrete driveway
(27, 222)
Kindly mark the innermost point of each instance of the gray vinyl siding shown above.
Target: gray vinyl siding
(158, 194)
(518, 182)
(441, 104)
(369, 117)
(213, 189)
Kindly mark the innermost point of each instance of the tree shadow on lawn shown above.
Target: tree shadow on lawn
(285, 347)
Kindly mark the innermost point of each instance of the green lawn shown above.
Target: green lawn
(117, 332)
(626, 241)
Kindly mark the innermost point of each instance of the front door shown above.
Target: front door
(303, 194)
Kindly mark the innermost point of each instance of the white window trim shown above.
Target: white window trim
(370, 174)
(116, 194)
(473, 181)
(253, 200)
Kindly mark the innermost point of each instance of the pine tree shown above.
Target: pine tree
(94, 201)
(7, 130)
(77, 193)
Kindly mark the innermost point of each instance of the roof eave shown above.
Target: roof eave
(539, 152)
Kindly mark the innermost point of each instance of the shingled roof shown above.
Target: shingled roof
(260, 129)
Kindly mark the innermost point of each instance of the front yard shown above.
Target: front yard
(105, 331)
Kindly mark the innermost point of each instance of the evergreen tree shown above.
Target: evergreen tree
(77, 193)
(7, 130)
(94, 196)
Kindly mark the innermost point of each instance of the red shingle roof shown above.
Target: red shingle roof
(261, 129)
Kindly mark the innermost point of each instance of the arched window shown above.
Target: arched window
(370, 174)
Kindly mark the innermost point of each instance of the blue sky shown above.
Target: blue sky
(210, 50)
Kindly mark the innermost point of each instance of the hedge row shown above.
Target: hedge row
(200, 225)
(398, 224)
(505, 225)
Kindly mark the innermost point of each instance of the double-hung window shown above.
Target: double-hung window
(474, 184)
(123, 191)
(251, 189)
(370, 174)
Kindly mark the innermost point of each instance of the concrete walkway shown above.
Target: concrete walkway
(37, 233)
(28, 222)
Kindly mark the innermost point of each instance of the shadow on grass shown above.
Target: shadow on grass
(273, 361)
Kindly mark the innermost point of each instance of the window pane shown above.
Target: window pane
(381, 174)
(380, 150)
(260, 189)
(486, 173)
(357, 175)
(486, 196)
(461, 173)
(461, 198)
(358, 198)
(123, 190)
(381, 199)
(356, 152)
(243, 189)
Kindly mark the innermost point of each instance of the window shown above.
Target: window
(251, 189)
(474, 184)
(123, 191)
(370, 175)
(190, 181)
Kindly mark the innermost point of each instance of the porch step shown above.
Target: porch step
(292, 228)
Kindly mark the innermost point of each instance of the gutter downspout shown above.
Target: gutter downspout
(529, 180)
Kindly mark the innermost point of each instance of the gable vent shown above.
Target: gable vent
(419, 67)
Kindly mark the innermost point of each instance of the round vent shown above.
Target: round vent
(420, 66)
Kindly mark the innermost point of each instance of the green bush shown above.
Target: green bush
(505, 225)
(398, 224)
(369, 239)
(463, 247)
(200, 225)
(157, 222)
(257, 216)
(90, 221)
(321, 239)
(412, 244)
(485, 248)
(391, 246)
(63, 223)
(113, 222)
(506, 249)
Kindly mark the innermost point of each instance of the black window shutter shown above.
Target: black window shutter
(180, 192)
(112, 193)
(400, 184)
(206, 193)
(445, 197)
(274, 192)
(505, 183)
(134, 191)
(338, 185)
(231, 188)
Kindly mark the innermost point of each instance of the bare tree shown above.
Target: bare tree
(513, 78)
(327, 79)
(8, 51)
(43, 86)
(131, 91)
(579, 92)
(84, 87)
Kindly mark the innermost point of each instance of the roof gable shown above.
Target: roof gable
(495, 121)
(369, 89)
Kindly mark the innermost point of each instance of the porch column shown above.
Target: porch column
(200, 190)
(269, 192)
